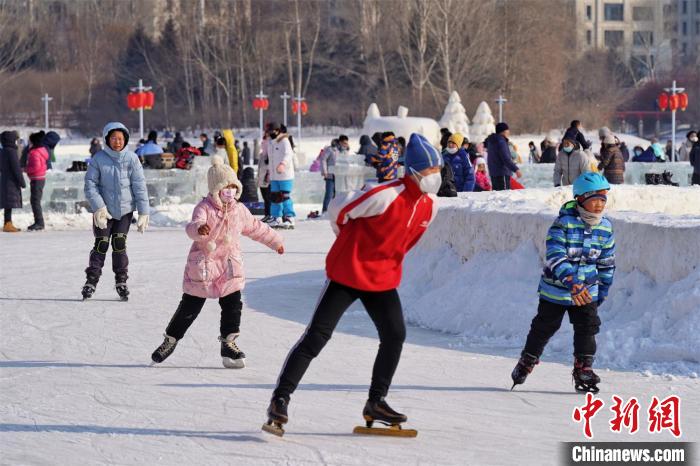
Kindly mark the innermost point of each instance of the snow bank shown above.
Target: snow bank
(476, 274)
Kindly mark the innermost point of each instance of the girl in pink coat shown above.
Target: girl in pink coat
(214, 265)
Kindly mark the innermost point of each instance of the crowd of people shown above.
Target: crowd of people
(483, 166)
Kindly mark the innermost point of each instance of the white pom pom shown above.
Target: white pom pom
(217, 160)
(211, 246)
(227, 239)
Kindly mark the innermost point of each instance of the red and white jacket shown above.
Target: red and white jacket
(376, 227)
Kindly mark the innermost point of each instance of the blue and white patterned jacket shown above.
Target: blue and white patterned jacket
(587, 254)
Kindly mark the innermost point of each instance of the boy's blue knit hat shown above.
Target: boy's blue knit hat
(420, 154)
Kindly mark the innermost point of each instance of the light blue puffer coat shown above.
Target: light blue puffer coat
(115, 180)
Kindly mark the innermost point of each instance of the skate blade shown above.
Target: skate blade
(587, 389)
(274, 428)
(391, 431)
(233, 363)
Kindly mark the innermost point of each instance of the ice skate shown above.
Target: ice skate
(122, 291)
(276, 223)
(276, 416)
(525, 365)
(164, 350)
(231, 355)
(585, 380)
(288, 223)
(89, 288)
(380, 411)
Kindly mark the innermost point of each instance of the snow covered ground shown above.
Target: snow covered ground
(75, 386)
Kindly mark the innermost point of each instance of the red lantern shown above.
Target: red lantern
(673, 102)
(683, 101)
(148, 100)
(304, 108)
(265, 104)
(131, 101)
(663, 101)
(295, 107)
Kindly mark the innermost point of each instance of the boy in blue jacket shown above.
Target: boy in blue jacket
(578, 273)
(114, 187)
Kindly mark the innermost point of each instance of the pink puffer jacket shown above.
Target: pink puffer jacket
(214, 264)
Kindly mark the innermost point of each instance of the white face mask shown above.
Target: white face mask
(693, 139)
(429, 184)
(452, 150)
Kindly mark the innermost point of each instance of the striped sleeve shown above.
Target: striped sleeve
(606, 266)
(556, 258)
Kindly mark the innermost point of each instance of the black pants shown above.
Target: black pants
(695, 179)
(548, 320)
(116, 233)
(189, 309)
(500, 183)
(37, 192)
(8, 215)
(266, 199)
(384, 307)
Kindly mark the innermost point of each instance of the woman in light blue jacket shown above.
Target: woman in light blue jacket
(114, 187)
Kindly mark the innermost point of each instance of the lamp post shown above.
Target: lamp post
(46, 99)
(500, 101)
(299, 101)
(285, 97)
(140, 90)
(261, 105)
(673, 105)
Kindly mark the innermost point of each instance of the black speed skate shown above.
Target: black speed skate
(525, 365)
(89, 288)
(122, 291)
(276, 416)
(585, 380)
(380, 411)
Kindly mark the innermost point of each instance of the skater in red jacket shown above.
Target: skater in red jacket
(375, 229)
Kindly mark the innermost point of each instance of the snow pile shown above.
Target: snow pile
(483, 123)
(401, 125)
(455, 116)
(476, 274)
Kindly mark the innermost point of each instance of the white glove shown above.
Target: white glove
(142, 223)
(100, 218)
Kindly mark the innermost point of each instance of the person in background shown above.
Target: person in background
(207, 147)
(264, 176)
(37, 165)
(684, 150)
(668, 151)
(643, 155)
(386, 161)
(95, 146)
(246, 153)
(470, 149)
(281, 157)
(444, 137)
(612, 164)
(574, 133)
(458, 159)
(328, 157)
(499, 160)
(150, 151)
(549, 154)
(534, 156)
(50, 141)
(570, 164)
(367, 149)
(221, 148)
(176, 143)
(482, 176)
(658, 149)
(694, 158)
(11, 179)
(625, 151)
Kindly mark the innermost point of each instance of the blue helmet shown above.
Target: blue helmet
(589, 182)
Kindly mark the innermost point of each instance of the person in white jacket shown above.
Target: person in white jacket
(281, 169)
